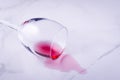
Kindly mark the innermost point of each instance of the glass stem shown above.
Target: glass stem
(12, 26)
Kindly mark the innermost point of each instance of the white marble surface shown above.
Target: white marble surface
(94, 28)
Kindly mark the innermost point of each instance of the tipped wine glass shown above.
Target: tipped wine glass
(42, 36)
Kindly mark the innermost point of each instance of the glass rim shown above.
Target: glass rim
(65, 40)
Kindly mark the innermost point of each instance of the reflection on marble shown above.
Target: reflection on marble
(3, 70)
(93, 33)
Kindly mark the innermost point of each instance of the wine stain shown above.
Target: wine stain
(65, 63)
(55, 59)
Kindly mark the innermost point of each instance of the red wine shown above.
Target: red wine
(65, 63)
(45, 49)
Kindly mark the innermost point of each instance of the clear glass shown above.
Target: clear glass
(43, 37)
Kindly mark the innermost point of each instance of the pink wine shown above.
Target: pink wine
(65, 63)
(45, 49)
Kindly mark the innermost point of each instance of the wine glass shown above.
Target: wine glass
(42, 36)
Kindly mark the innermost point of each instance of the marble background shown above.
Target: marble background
(94, 28)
